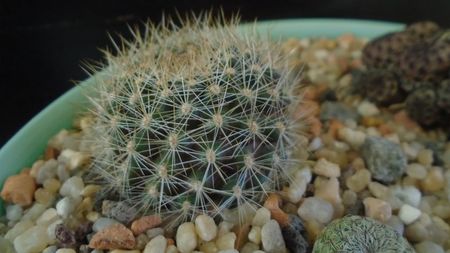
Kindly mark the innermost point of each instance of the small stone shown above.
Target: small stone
(46, 171)
(67, 205)
(173, 249)
(14, 212)
(317, 209)
(358, 181)
(62, 172)
(50, 249)
(225, 227)
(73, 159)
(249, 247)
(43, 196)
(226, 241)
(186, 238)
(434, 181)
(378, 190)
(34, 212)
(396, 224)
(272, 238)
(90, 190)
(428, 247)
(294, 235)
(72, 187)
(228, 251)
(377, 209)
(408, 214)
(156, 245)
(425, 157)
(48, 217)
(33, 240)
(255, 235)
(353, 137)
(209, 247)
(19, 189)
(205, 227)
(92, 216)
(385, 159)
(145, 223)
(18, 229)
(335, 110)
(116, 236)
(329, 191)
(102, 223)
(52, 185)
(51, 231)
(66, 250)
(124, 251)
(315, 144)
(326, 168)
(65, 236)
(154, 232)
(119, 210)
(408, 195)
(367, 108)
(416, 170)
(141, 241)
(349, 198)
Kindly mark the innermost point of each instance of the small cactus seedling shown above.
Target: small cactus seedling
(360, 234)
(194, 119)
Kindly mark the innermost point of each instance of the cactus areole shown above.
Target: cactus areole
(194, 119)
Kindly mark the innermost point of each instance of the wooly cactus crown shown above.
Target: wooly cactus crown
(194, 119)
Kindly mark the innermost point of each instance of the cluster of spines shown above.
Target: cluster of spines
(194, 119)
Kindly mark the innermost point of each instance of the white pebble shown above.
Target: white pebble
(326, 168)
(46, 171)
(50, 249)
(49, 216)
(156, 245)
(272, 239)
(34, 212)
(66, 250)
(315, 144)
(18, 229)
(353, 137)
(249, 247)
(255, 235)
(62, 172)
(408, 214)
(408, 195)
(262, 216)
(226, 241)
(102, 223)
(72, 159)
(225, 227)
(367, 108)
(416, 170)
(51, 231)
(317, 209)
(72, 187)
(14, 212)
(33, 240)
(186, 238)
(170, 249)
(206, 227)
(428, 247)
(67, 205)
(228, 251)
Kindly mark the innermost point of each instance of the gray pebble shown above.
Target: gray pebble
(62, 172)
(46, 171)
(14, 212)
(6, 246)
(272, 238)
(102, 223)
(385, 159)
(294, 235)
(336, 110)
(119, 210)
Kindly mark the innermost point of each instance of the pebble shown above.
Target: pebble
(377, 209)
(428, 247)
(14, 212)
(141, 241)
(46, 171)
(326, 168)
(205, 227)
(434, 181)
(228, 251)
(209, 247)
(52, 185)
(358, 181)
(385, 159)
(124, 251)
(249, 247)
(378, 190)
(353, 137)
(34, 240)
(19, 189)
(119, 210)
(62, 172)
(226, 241)
(329, 191)
(156, 245)
(43, 196)
(18, 229)
(65, 236)
(47, 217)
(272, 238)
(34, 212)
(173, 249)
(416, 170)
(186, 238)
(408, 214)
(67, 205)
(6, 246)
(294, 234)
(396, 224)
(73, 159)
(145, 223)
(255, 235)
(425, 157)
(51, 230)
(102, 223)
(367, 108)
(408, 195)
(72, 187)
(317, 209)
(50, 249)
(225, 227)
(116, 236)
(335, 110)
(153, 232)
(66, 250)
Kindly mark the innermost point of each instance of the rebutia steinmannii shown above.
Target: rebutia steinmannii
(194, 119)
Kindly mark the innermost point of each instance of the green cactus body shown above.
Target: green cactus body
(360, 234)
(194, 119)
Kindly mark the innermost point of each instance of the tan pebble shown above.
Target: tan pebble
(425, 157)
(241, 232)
(19, 189)
(35, 168)
(65, 250)
(249, 248)
(349, 198)
(186, 238)
(377, 209)
(156, 245)
(172, 249)
(434, 181)
(370, 121)
(255, 235)
(115, 236)
(209, 247)
(358, 163)
(85, 206)
(272, 203)
(225, 227)
(409, 181)
(334, 127)
(315, 126)
(416, 170)
(92, 216)
(326, 168)
(378, 190)
(329, 191)
(145, 223)
(262, 216)
(313, 229)
(402, 118)
(50, 153)
(205, 227)
(89, 190)
(52, 185)
(358, 181)
(44, 196)
(226, 241)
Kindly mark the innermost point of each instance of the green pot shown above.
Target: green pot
(29, 143)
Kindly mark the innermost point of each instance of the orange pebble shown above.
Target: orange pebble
(115, 236)
(384, 129)
(170, 241)
(402, 118)
(315, 126)
(272, 203)
(334, 127)
(145, 223)
(19, 189)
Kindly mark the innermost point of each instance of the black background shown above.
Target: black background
(42, 44)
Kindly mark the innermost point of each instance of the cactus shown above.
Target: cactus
(360, 234)
(194, 119)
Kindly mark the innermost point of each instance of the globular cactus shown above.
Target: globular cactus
(194, 119)
(360, 234)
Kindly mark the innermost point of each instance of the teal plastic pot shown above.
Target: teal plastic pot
(29, 143)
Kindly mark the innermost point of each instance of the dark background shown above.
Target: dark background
(42, 44)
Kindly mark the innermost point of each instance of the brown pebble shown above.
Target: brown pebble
(272, 203)
(434, 181)
(19, 189)
(51, 153)
(334, 127)
(371, 121)
(241, 235)
(170, 241)
(402, 118)
(145, 223)
(115, 236)
(315, 126)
